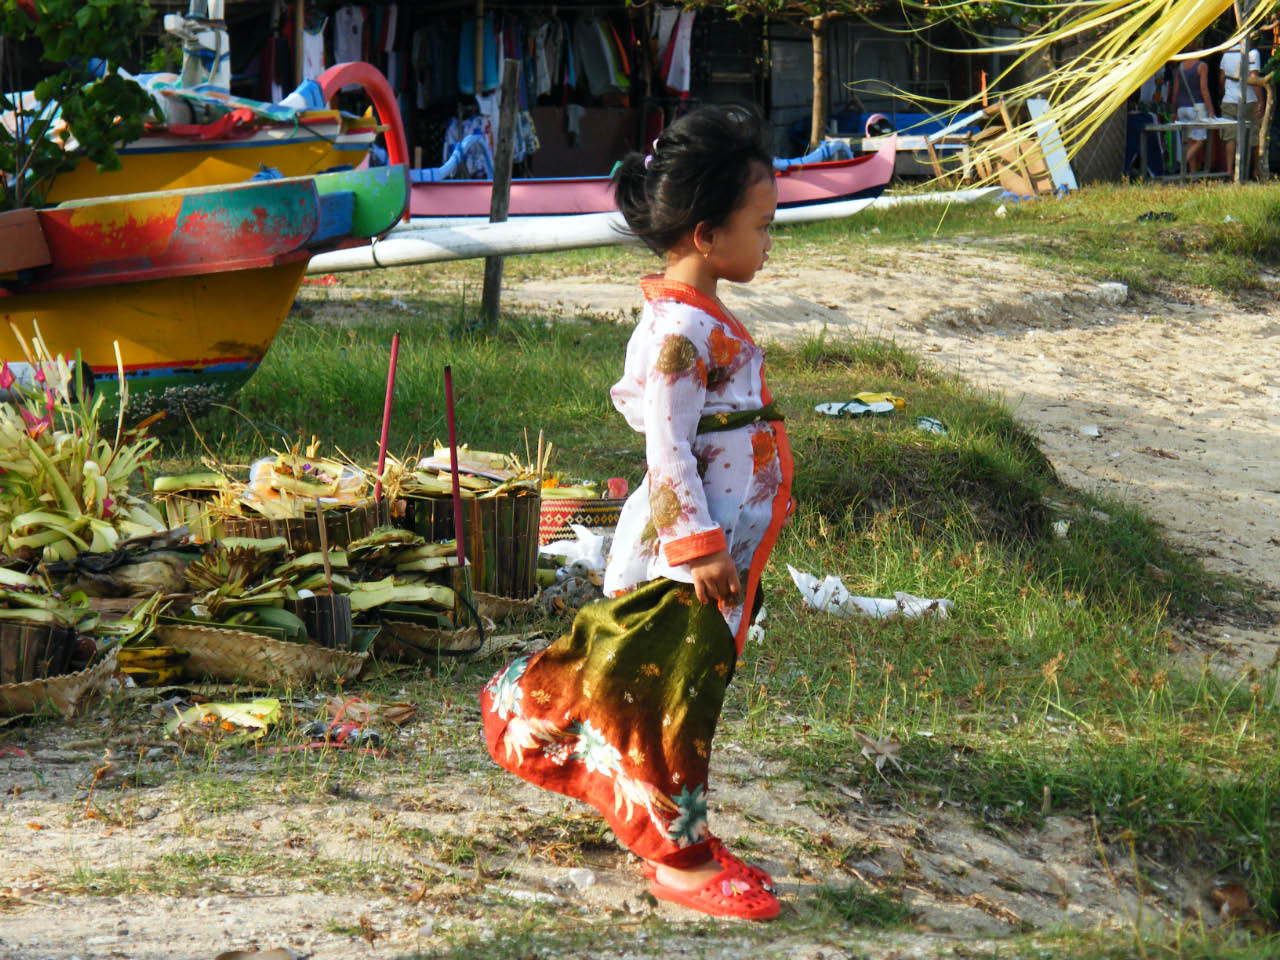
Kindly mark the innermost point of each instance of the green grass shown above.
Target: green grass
(1054, 683)
(1054, 672)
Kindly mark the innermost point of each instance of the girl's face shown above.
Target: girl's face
(740, 246)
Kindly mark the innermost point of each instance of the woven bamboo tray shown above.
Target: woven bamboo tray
(504, 608)
(414, 643)
(557, 514)
(342, 525)
(501, 535)
(33, 651)
(240, 656)
(67, 693)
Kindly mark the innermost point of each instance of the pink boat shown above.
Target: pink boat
(798, 186)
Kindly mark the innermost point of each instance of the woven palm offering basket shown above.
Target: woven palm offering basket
(342, 525)
(67, 693)
(240, 656)
(504, 608)
(33, 651)
(415, 643)
(559, 514)
(500, 533)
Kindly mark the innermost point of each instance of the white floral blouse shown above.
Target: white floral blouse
(727, 490)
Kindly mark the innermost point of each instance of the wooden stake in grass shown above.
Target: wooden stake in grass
(386, 415)
(458, 530)
(500, 199)
(324, 546)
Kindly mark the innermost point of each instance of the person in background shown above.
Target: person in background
(1230, 72)
(1189, 98)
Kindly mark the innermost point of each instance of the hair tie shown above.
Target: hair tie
(648, 159)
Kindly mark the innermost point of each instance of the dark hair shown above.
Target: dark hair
(700, 169)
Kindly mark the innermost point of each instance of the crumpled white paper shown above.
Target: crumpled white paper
(589, 547)
(832, 596)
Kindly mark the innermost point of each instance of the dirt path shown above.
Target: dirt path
(1183, 393)
(307, 859)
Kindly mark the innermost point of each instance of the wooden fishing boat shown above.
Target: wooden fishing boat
(243, 136)
(802, 185)
(192, 284)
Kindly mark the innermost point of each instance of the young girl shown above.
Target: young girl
(621, 712)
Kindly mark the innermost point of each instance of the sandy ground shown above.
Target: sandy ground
(1172, 402)
(1184, 394)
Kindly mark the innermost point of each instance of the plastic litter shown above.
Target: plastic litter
(930, 425)
(832, 596)
(862, 405)
(587, 547)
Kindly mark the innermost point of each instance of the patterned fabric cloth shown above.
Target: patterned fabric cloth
(726, 490)
(621, 712)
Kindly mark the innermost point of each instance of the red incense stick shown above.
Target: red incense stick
(386, 413)
(453, 463)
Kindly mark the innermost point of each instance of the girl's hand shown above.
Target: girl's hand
(715, 578)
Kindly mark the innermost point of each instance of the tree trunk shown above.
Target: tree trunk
(821, 94)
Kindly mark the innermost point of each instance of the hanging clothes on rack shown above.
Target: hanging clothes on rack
(348, 34)
(594, 54)
(467, 56)
(676, 66)
(313, 60)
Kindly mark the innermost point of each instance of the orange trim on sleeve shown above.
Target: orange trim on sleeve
(694, 546)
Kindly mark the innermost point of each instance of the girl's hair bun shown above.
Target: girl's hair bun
(699, 170)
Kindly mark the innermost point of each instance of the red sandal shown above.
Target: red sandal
(730, 893)
(725, 859)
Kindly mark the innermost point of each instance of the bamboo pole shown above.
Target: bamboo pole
(500, 199)
(386, 415)
(459, 530)
(545, 234)
(1241, 172)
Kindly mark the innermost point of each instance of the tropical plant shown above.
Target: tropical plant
(64, 479)
(84, 108)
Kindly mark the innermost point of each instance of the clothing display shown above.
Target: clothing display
(576, 62)
(621, 711)
(348, 34)
(313, 60)
(677, 60)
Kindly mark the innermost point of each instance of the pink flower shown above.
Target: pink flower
(39, 374)
(48, 399)
(735, 887)
(36, 425)
(6, 377)
(107, 507)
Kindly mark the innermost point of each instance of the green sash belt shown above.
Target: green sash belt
(715, 422)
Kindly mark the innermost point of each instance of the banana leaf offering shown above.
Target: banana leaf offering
(64, 475)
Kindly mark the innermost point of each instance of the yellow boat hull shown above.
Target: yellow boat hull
(186, 342)
(161, 162)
